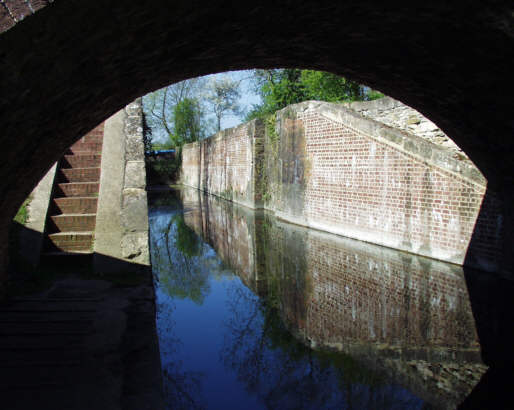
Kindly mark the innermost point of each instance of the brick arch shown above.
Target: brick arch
(66, 66)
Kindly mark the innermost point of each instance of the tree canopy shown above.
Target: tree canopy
(194, 109)
(187, 119)
(282, 87)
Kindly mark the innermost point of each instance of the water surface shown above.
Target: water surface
(255, 313)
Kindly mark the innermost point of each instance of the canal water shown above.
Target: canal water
(256, 313)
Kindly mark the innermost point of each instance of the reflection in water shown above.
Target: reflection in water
(320, 322)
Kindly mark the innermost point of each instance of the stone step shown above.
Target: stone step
(86, 147)
(79, 175)
(81, 161)
(81, 189)
(75, 205)
(69, 242)
(72, 223)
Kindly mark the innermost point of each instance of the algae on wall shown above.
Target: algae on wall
(285, 166)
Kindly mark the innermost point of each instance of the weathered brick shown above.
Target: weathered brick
(329, 174)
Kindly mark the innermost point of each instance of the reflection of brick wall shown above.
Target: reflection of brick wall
(399, 313)
(389, 297)
(338, 290)
(225, 228)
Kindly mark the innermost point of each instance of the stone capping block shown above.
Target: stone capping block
(122, 219)
(135, 175)
(410, 144)
(134, 207)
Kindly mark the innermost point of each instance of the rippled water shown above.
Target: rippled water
(257, 313)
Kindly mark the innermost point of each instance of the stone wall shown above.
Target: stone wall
(122, 217)
(397, 115)
(327, 167)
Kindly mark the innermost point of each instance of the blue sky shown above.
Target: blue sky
(248, 98)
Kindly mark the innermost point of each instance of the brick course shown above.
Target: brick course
(78, 189)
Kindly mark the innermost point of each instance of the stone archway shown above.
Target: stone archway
(67, 67)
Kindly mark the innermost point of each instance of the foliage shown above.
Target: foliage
(147, 135)
(163, 171)
(17, 260)
(22, 215)
(320, 85)
(222, 98)
(187, 117)
(186, 241)
(157, 146)
(159, 106)
(282, 87)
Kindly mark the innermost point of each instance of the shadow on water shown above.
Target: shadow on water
(325, 321)
(492, 302)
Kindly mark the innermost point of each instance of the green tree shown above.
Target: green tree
(187, 117)
(159, 106)
(222, 98)
(323, 86)
(281, 87)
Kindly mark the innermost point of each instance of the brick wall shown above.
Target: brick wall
(327, 167)
(13, 11)
(223, 164)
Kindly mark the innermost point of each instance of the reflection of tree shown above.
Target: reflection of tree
(285, 373)
(182, 389)
(281, 371)
(177, 258)
(186, 240)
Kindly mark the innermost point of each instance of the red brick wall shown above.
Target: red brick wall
(366, 189)
(223, 164)
(327, 167)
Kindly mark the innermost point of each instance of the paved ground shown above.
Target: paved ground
(82, 344)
